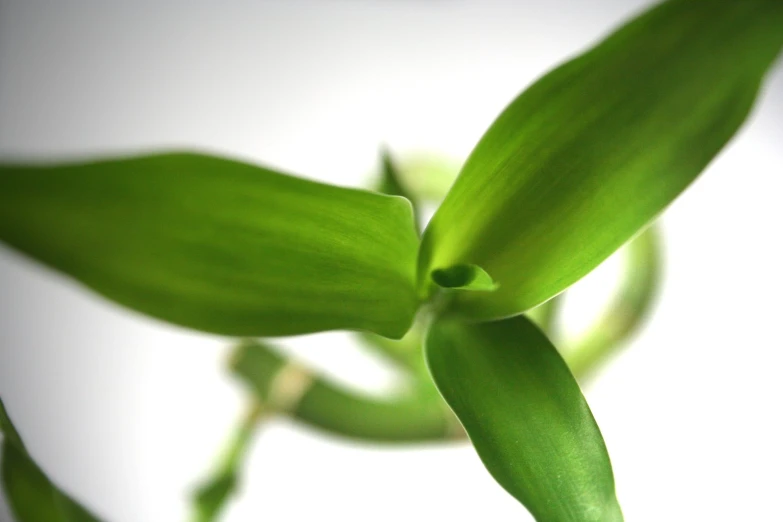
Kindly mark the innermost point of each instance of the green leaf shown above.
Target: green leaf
(464, 277)
(218, 245)
(526, 417)
(31, 495)
(10, 435)
(596, 149)
(391, 182)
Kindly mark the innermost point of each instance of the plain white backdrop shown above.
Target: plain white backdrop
(127, 413)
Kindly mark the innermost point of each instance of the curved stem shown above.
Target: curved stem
(545, 315)
(281, 387)
(418, 415)
(391, 183)
(628, 310)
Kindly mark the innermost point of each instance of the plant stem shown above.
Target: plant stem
(417, 415)
(211, 497)
(628, 310)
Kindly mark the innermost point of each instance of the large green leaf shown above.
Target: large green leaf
(594, 150)
(31, 495)
(526, 417)
(218, 245)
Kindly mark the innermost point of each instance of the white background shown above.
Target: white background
(128, 413)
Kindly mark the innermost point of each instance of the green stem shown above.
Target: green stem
(283, 387)
(212, 495)
(238, 446)
(628, 310)
(545, 315)
(418, 415)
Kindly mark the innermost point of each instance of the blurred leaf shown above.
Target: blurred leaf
(406, 353)
(415, 416)
(428, 176)
(596, 149)
(218, 245)
(526, 417)
(30, 494)
(392, 185)
(8, 430)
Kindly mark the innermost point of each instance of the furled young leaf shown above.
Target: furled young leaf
(464, 277)
(31, 495)
(593, 151)
(526, 417)
(218, 245)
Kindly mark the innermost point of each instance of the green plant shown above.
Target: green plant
(574, 168)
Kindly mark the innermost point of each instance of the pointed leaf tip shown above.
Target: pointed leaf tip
(526, 417)
(31, 496)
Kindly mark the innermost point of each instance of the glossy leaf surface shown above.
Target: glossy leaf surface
(594, 150)
(218, 245)
(526, 417)
(30, 494)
